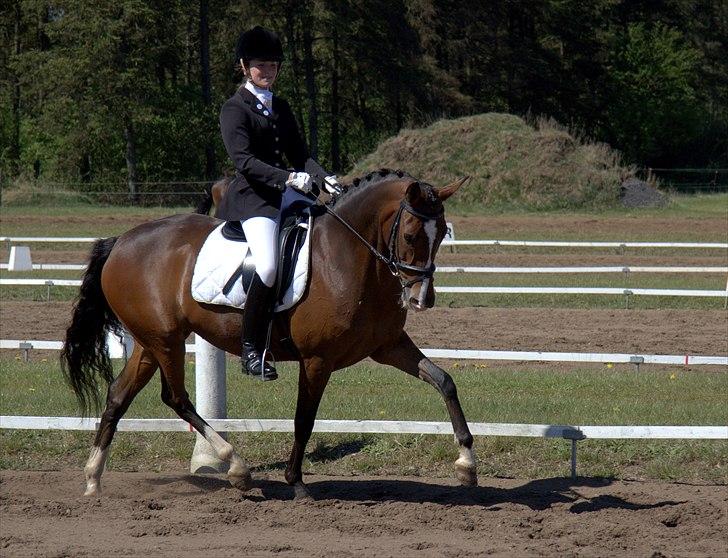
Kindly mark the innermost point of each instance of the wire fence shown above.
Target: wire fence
(167, 193)
(686, 180)
(186, 192)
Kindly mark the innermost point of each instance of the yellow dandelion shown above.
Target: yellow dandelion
(610, 365)
(673, 376)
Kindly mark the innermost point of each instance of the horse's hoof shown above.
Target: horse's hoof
(93, 490)
(466, 475)
(242, 482)
(300, 492)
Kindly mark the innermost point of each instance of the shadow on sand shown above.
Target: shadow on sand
(536, 494)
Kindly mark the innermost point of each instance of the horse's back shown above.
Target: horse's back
(153, 263)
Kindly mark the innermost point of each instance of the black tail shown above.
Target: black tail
(84, 355)
(204, 205)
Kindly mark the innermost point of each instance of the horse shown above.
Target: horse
(213, 194)
(362, 283)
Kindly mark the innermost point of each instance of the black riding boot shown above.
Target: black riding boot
(257, 314)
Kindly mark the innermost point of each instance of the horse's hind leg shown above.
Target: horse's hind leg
(407, 357)
(174, 394)
(135, 375)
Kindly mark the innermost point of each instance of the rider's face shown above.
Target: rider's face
(263, 73)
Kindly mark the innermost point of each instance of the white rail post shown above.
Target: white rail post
(210, 401)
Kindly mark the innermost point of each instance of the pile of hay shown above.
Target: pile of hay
(512, 163)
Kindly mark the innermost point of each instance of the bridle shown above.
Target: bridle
(393, 261)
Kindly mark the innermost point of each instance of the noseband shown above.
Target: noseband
(393, 262)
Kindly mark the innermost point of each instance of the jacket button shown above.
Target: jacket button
(278, 152)
(259, 106)
(275, 126)
(266, 113)
(277, 138)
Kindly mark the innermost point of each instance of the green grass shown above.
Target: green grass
(520, 394)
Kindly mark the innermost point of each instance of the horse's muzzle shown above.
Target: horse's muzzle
(421, 296)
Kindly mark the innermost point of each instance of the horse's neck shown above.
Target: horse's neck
(365, 213)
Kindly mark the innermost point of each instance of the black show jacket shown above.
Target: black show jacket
(256, 140)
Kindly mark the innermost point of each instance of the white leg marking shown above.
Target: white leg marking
(93, 469)
(238, 469)
(467, 458)
(221, 446)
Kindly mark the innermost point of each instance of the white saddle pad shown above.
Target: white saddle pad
(219, 258)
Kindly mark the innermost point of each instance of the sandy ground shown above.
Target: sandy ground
(175, 514)
(697, 332)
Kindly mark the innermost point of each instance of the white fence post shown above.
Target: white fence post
(210, 402)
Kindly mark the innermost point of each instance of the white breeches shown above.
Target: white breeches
(262, 235)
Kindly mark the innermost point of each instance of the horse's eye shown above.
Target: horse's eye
(409, 238)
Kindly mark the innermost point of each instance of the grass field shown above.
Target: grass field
(489, 393)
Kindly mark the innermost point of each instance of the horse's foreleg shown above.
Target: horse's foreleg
(312, 380)
(135, 375)
(407, 357)
(175, 396)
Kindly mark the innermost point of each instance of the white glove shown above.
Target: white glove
(331, 185)
(300, 181)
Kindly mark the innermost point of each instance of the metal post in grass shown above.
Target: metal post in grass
(573, 434)
(210, 401)
(48, 284)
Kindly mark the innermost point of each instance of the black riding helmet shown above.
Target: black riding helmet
(259, 43)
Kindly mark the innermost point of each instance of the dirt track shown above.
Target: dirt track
(697, 332)
(174, 514)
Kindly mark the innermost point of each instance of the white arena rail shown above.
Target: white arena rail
(579, 244)
(377, 427)
(599, 269)
(584, 290)
(506, 270)
(466, 290)
(470, 354)
(548, 243)
(65, 267)
(48, 239)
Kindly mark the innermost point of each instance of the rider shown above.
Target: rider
(258, 129)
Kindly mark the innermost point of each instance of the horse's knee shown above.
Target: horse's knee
(439, 378)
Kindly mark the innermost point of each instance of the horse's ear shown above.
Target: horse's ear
(414, 192)
(450, 189)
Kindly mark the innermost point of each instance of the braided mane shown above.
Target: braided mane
(375, 177)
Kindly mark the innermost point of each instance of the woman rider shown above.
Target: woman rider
(258, 129)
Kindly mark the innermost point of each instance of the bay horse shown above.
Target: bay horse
(354, 306)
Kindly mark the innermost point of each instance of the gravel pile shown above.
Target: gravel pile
(637, 193)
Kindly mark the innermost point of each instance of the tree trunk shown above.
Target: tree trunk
(206, 88)
(295, 62)
(15, 139)
(131, 163)
(335, 141)
(308, 64)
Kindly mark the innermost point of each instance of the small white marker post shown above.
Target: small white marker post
(20, 259)
(210, 402)
(450, 236)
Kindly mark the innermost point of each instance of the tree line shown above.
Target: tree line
(110, 92)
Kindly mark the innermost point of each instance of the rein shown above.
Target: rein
(393, 263)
